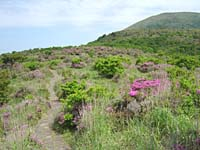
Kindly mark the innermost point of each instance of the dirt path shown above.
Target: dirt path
(43, 132)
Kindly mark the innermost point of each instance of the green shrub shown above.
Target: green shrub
(187, 106)
(143, 59)
(48, 52)
(184, 77)
(32, 65)
(189, 62)
(91, 53)
(76, 60)
(109, 66)
(73, 95)
(71, 88)
(175, 72)
(53, 63)
(12, 58)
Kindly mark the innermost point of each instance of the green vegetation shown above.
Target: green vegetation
(12, 58)
(179, 20)
(4, 82)
(188, 62)
(32, 65)
(97, 111)
(142, 92)
(165, 40)
(76, 60)
(109, 66)
(73, 95)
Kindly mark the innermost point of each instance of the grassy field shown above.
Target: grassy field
(98, 111)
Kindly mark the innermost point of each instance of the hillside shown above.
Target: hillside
(179, 20)
(133, 89)
(170, 33)
(165, 40)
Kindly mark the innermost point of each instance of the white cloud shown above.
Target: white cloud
(86, 13)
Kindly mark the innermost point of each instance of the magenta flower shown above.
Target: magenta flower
(142, 84)
(133, 93)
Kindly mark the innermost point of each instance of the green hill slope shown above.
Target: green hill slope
(169, 32)
(180, 20)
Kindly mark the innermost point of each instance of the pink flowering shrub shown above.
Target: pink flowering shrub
(140, 84)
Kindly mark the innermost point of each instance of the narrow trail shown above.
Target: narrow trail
(43, 132)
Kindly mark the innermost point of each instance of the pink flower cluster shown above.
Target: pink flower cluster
(142, 84)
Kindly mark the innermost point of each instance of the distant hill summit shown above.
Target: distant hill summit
(178, 20)
(167, 32)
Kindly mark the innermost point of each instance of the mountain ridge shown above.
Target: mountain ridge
(181, 34)
(169, 20)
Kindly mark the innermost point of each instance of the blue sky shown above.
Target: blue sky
(29, 24)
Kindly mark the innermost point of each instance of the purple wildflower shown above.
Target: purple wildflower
(198, 92)
(197, 141)
(179, 147)
(133, 93)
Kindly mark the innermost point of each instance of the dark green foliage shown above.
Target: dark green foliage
(71, 88)
(32, 65)
(189, 62)
(184, 78)
(142, 60)
(109, 66)
(12, 58)
(76, 60)
(74, 94)
(4, 82)
(175, 72)
(187, 106)
(54, 63)
(166, 40)
(48, 52)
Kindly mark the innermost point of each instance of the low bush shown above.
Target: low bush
(109, 66)
(77, 63)
(32, 65)
(74, 96)
(142, 60)
(76, 60)
(11, 58)
(54, 63)
(189, 62)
